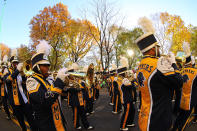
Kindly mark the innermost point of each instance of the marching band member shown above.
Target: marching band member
(195, 108)
(127, 119)
(111, 88)
(89, 84)
(189, 91)
(4, 90)
(117, 83)
(16, 92)
(156, 77)
(43, 94)
(128, 115)
(76, 95)
(116, 93)
(97, 86)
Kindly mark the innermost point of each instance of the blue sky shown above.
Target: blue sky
(18, 13)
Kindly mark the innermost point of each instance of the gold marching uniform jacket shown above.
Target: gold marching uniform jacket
(189, 91)
(156, 93)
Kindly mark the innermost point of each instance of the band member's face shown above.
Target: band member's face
(44, 70)
(15, 64)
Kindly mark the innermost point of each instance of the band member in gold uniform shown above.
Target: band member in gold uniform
(157, 76)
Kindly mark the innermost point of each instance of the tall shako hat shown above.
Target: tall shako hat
(5, 61)
(147, 40)
(74, 67)
(124, 65)
(13, 57)
(113, 69)
(41, 57)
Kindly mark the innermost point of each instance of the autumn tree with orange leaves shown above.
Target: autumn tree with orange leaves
(79, 39)
(24, 53)
(51, 24)
(4, 50)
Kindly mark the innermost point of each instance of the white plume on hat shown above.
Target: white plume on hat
(5, 58)
(113, 67)
(146, 24)
(43, 47)
(13, 52)
(124, 62)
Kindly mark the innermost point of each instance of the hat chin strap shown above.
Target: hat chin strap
(156, 51)
(39, 68)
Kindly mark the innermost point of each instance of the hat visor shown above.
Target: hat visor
(15, 61)
(43, 62)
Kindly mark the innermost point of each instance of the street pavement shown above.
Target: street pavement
(102, 119)
(7, 125)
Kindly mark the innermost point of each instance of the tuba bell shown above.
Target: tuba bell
(27, 68)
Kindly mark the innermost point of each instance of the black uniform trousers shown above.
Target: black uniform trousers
(5, 104)
(195, 113)
(181, 119)
(89, 105)
(79, 113)
(97, 94)
(128, 115)
(177, 101)
(111, 97)
(117, 103)
(21, 112)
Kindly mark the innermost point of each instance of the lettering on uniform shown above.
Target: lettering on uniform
(185, 78)
(56, 112)
(55, 108)
(141, 79)
(188, 71)
(57, 116)
(146, 67)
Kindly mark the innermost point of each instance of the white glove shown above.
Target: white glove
(186, 49)
(126, 82)
(62, 73)
(164, 65)
(172, 58)
(20, 67)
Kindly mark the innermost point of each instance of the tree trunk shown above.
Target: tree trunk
(56, 58)
(116, 57)
(101, 57)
